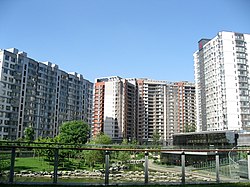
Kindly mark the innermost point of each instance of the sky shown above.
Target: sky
(152, 39)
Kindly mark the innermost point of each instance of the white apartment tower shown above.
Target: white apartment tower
(222, 82)
(40, 95)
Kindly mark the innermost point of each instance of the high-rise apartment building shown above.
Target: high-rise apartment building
(152, 109)
(139, 108)
(114, 110)
(222, 82)
(186, 107)
(40, 95)
(164, 108)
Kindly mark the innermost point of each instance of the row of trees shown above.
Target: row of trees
(76, 133)
(72, 134)
(71, 158)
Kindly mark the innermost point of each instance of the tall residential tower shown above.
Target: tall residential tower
(222, 82)
(114, 110)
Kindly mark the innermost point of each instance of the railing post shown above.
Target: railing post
(12, 164)
(106, 167)
(217, 166)
(146, 167)
(248, 164)
(183, 167)
(55, 166)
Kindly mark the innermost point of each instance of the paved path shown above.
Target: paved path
(177, 169)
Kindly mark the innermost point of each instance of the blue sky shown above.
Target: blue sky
(129, 38)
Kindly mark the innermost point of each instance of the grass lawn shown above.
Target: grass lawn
(32, 164)
(39, 164)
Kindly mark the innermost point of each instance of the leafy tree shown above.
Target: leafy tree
(102, 139)
(47, 153)
(89, 158)
(123, 155)
(4, 162)
(29, 134)
(76, 132)
(93, 157)
(190, 127)
(156, 138)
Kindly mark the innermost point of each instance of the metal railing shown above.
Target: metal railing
(13, 149)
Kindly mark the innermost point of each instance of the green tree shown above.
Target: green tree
(102, 139)
(190, 127)
(4, 162)
(123, 156)
(156, 138)
(76, 132)
(93, 157)
(48, 154)
(73, 132)
(29, 134)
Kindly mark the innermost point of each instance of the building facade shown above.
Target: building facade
(152, 110)
(115, 108)
(222, 82)
(137, 109)
(39, 95)
(165, 108)
(186, 106)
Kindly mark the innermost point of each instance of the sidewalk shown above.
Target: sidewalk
(177, 169)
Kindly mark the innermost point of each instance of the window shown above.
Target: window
(6, 64)
(11, 72)
(7, 57)
(11, 79)
(12, 66)
(5, 71)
